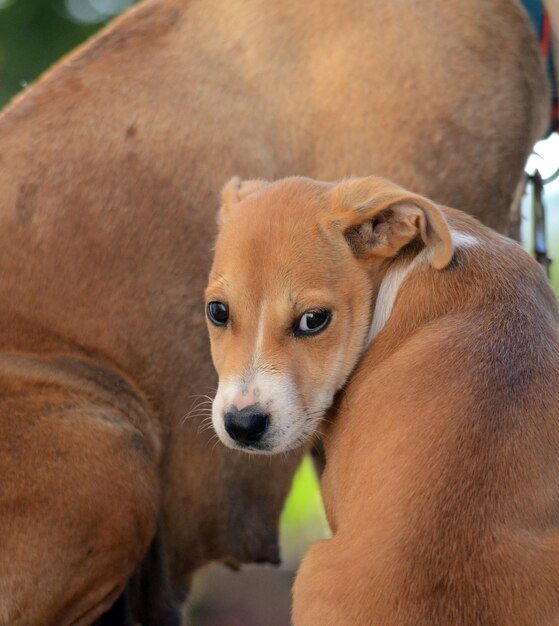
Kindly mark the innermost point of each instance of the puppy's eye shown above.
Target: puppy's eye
(312, 322)
(218, 313)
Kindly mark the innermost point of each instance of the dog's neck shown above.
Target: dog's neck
(390, 283)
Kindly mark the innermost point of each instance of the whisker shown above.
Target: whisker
(217, 441)
(205, 424)
(198, 407)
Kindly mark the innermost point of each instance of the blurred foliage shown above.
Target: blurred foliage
(35, 33)
(304, 504)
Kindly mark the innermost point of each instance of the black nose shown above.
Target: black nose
(247, 425)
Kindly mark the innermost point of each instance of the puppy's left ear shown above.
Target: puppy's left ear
(233, 192)
(378, 218)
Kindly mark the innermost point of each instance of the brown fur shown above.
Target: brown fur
(442, 453)
(108, 172)
(440, 481)
(442, 461)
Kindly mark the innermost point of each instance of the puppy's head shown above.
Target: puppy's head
(291, 295)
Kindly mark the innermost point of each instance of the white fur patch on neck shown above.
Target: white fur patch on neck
(394, 278)
(463, 240)
(387, 294)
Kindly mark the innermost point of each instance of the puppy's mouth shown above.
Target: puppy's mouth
(253, 448)
(264, 446)
(269, 449)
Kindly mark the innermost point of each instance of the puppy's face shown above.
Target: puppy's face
(288, 311)
(289, 305)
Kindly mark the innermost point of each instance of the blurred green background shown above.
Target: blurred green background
(33, 35)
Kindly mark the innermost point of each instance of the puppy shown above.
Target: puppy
(442, 461)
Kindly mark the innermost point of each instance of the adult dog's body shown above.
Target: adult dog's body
(442, 458)
(108, 171)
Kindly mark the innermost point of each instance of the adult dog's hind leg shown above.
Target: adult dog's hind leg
(78, 509)
(148, 598)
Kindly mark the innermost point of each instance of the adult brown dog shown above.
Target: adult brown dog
(442, 458)
(108, 171)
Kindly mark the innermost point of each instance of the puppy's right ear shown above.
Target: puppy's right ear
(378, 218)
(235, 191)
